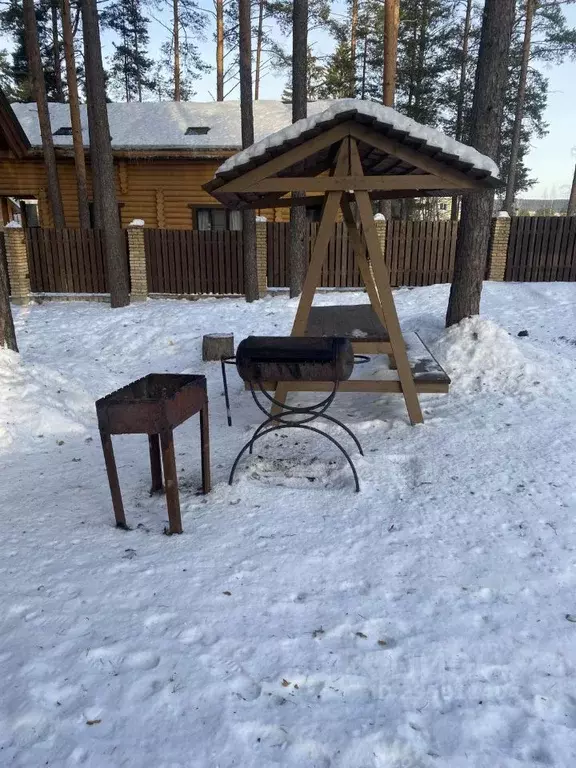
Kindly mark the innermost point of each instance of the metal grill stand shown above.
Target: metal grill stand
(289, 359)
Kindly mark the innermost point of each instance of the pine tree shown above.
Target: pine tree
(101, 160)
(489, 94)
(180, 63)
(130, 66)
(12, 25)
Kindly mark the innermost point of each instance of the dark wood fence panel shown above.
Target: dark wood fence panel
(193, 261)
(420, 252)
(340, 269)
(66, 261)
(542, 248)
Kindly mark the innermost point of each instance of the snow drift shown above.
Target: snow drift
(480, 356)
(36, 400)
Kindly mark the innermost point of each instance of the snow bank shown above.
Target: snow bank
(480, 356)
(37, 401)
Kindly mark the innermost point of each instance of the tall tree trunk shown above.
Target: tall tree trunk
(176, 23)
(487, 107)
(7, 332)
(391, 26)
(39, 91)
(364, 62)
(220, 50)
(247, 122)
(520, 103)
(298, 241)
(259, 37)
(353, 45)
(462, 94)
(72, 82)
(101, 158)
(572, 201)
(56, 52)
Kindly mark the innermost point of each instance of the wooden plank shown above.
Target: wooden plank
(347, 183)
(360, 385)
(557, 229)
(281, 162)
(569, 270)
(456, 178)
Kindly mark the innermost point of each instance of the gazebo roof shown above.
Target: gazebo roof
(389, 144)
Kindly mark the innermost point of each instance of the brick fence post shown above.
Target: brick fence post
(498, 254)
(17, 259)
(137, 261)
(262, 255)
(381, 225)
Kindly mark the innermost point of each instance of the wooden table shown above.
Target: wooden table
(153, 406)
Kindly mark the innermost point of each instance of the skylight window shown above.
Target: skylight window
(65, 130)
(197, 130)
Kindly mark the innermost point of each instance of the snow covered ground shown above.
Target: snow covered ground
(428, 621)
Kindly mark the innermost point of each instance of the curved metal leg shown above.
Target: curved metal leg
(286, 424)
(293, 426)
(346, 429)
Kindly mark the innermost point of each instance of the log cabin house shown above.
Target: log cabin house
(163, 153)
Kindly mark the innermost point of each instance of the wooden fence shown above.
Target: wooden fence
(192, 261)
(420, 252)
(340, 269)
(417, 253)
(66, 261)
(542, 248)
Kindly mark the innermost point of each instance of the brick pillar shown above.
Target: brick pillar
(381, 224)
(137, 261)
(499, 247)
(17, 258)
(262, 255)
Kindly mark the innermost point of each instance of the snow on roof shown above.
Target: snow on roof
(383, 118)
(163, 125)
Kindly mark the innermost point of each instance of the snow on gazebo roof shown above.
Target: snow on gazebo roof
(384, 119)
(390, 145)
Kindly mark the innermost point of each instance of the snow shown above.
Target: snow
(479, 355)
(150, 125)
(379, 217)
(13, 224)
(426, 621)
(137, 223)
(344, 109)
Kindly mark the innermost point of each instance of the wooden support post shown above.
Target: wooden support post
(382, 280)
(360, 248)
(171, 481)
(205, 448)
(155, 463)
(113, 481)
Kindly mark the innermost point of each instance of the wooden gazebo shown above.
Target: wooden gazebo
(353, 153)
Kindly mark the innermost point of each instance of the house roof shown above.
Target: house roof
(12, 137)
(390, 144)
(163, 125)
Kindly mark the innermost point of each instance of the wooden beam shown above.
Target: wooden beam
(414, 157)
(382, 281)
(360, 249)
(348, 183)
(281, 162)
(359, 385)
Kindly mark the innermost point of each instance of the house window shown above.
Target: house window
(65, 130)
(217, 219)
(196, 130)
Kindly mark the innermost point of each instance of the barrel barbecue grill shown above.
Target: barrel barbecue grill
(262, 359)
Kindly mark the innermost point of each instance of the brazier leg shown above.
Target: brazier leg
(171, 481)
(113, 480)
(205, 448)
(155, 463)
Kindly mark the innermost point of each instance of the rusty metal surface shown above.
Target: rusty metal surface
(151, 405)
(288, 358)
